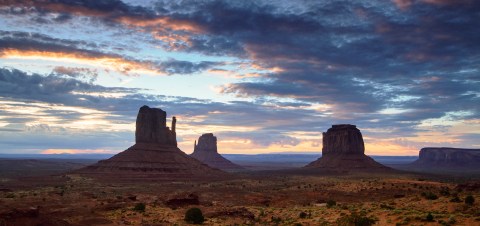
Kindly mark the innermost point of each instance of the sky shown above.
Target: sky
(263, 76)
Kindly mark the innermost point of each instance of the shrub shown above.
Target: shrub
(194, 216)
(140, 207)
(469, 200)
(357, 219)
(331, 203)
(452, 220)
(303, 215)
(10, 196)
(385, 206)
(430, 196)
(429, 217)
(445, 191)
(276, 220)
(455, 199)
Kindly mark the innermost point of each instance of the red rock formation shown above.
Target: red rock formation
(206, 152)
(343, 149)
(343, 139)
(154, 156)
(151, 127)
(448, 158)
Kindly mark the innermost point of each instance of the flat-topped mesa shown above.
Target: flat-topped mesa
(207, 142)
(343, 139)
(151, 127)
(448, 157)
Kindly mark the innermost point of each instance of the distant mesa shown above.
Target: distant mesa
(154, 155)
(444, 157)
(343, 149)
(206, 151)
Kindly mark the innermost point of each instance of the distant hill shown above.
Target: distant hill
(287, 157)
(56, 156)
(300, 157)
(12, 168)
(287, 160)
(270, 161)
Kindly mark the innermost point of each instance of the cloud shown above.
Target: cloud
(37, 46)
(388, 66)
(172, 66)
(51, 106)
(91, 74)
(18, 84)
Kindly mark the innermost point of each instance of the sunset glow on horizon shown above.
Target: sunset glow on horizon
(262, 77)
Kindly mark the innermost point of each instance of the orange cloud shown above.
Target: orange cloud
(175, 33)
(160, 23)
(160, 27)
(108, 62)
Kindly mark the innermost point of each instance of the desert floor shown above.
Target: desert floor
(245, 199)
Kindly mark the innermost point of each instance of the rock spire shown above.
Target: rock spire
(154, 156)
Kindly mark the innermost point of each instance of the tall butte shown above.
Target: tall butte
(206, 151)
(154, 155)
(343, 149)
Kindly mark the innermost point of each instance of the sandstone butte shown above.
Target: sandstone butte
(344, 149)
(206, 151)
(154, 156)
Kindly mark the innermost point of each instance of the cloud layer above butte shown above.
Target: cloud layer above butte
(262, 76)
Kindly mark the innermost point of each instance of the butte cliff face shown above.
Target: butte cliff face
(448, 158)
(343, 140)
(343, 149)
(206, 152)
(151, 127)
(153, 156)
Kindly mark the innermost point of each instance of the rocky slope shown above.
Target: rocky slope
(206, 152)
